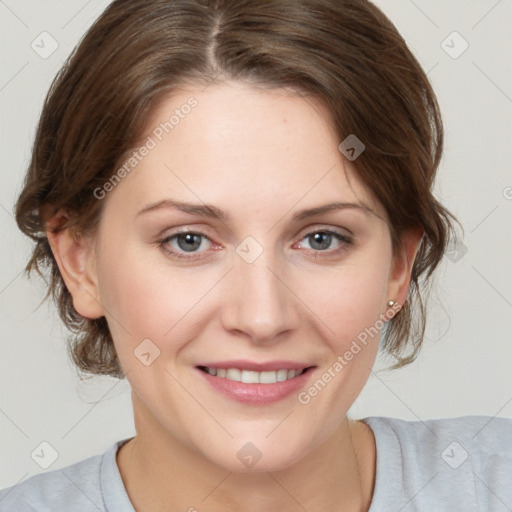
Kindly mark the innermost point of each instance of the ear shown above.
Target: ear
(402, 265)
(75, 257)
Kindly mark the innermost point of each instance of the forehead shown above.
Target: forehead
(237, 145)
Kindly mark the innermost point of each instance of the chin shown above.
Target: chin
(255, 457)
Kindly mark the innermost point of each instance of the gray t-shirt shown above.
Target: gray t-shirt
(452, 464)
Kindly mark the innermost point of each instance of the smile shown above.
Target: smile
(253, 377)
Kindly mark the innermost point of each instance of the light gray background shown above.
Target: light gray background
(465, 365)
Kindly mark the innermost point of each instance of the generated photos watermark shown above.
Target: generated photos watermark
(157, 135)
(305, 397)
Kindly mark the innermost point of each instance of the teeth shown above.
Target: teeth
(250, 377)
(282, 375)
(268, 377)
(233, 374)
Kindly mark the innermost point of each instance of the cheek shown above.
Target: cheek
(348, 299)
(145, 298)
(351, 324)
(141, 300)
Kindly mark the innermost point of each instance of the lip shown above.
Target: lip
(257, 394)
(244, 364)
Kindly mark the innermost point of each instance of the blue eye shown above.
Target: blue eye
(321, 240)
(187, 241)
(187, 244)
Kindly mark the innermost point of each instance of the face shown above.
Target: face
(252, 283)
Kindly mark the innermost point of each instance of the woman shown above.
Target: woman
(235, 203)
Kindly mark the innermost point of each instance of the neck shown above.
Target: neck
(337, 475)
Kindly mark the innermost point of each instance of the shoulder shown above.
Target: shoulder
(74, 487)
(463, 462)
(484, 433)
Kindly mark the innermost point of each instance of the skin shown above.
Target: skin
(260, 156)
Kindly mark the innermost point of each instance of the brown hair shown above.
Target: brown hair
(346, 53)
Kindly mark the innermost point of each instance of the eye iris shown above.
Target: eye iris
(321, 238)
(193, 241)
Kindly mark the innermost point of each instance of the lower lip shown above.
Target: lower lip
(256, 394)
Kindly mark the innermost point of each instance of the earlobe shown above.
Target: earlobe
(74, 255)
(403, 263)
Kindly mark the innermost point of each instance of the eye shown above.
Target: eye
(185, 242)
(193, 244)
(321, 240)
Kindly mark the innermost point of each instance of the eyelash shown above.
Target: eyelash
(345, 239)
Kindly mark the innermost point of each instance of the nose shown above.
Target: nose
(260, 304)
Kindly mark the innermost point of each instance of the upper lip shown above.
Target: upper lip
(254, 366)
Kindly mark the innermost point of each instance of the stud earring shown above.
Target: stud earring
(391, 303)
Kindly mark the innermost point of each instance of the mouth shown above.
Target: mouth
(255, 377)
(256, 383)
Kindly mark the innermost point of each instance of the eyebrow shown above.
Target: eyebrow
(207, 210)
